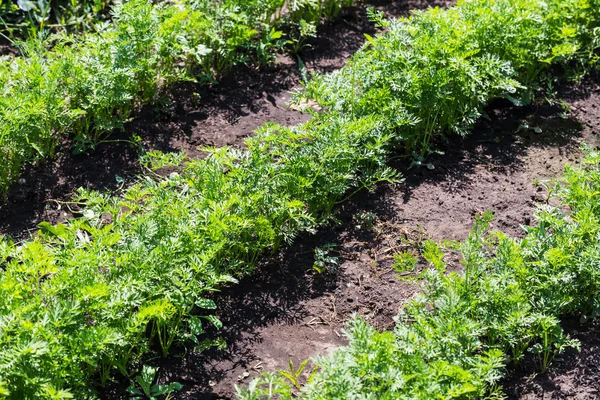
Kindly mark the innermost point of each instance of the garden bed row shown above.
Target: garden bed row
(87, 298)
(87, 86)
(286, 310)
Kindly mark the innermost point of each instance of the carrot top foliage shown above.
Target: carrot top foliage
(85, 86)
(438, 68)
(87, 299)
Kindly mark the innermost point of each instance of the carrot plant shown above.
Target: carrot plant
(437, 69)
(85, 300)
(87, 85)
(454, 340)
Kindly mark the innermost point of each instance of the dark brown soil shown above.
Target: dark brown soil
(573, 375)
(288, 311)
(6, 47)
(189, 118)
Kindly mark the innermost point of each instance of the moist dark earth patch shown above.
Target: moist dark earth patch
(573, 375)
(6, 47)
(189, 118)
(286, 310)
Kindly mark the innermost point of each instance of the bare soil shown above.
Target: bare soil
(573, 375)
(286, 310)
(188, 118)
(6, 47)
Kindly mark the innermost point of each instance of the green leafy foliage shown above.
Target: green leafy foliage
(434, 255)
(405, 262)
(144, 389)
(270, 386)
(87, 85)
(454, 339)
(28, 17)
(431, 74)
(83, 300)
(323, 260)
(293, 375)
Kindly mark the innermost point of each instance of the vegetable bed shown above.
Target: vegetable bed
(287, 310)
(86, 85)
(133, 274)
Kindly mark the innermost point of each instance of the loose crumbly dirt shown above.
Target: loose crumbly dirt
(189, 118)
(286, 310)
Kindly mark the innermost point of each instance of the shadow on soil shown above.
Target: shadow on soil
(499, 142)
(284, 289)
(573, 375)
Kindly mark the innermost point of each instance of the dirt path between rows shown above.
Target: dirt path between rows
(287, 311)
(191, 117)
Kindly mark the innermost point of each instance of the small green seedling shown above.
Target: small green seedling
(366, 219)
(323, 261)
(433, 254)
(552, 341)
(149, 390)
(405, 262)
(293, 375)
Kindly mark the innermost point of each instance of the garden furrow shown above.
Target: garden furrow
(288, 311)
(134, 274)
